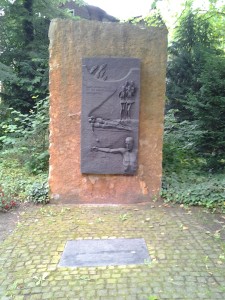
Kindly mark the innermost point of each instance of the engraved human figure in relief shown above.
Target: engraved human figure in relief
(130, 97)
(127, 98)
(129, 155)
(123, 96)
(98, 122)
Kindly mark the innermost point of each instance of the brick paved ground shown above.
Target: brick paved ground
(187, 261)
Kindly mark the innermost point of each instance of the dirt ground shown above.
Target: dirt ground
(211, 223)
(8, 221)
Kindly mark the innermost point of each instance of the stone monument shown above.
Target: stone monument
(107, 90)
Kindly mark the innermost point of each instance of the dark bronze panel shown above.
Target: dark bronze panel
(110, 115)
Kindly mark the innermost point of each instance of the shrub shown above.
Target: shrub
(185, 179)
(15, 178)
(7, 201)
(39, 193)
(195, 189)
(25, 136)
(179, 150)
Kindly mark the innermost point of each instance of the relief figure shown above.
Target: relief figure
(128, 153)
(127, 98)
(98, 122)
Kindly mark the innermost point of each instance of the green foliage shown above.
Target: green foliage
(195, 82)
(187, 57)
(39, 193)
(153, 298)
(16, 180)
(191, 188)
(24, 155)
(24, 50)
(179, 149)
(24, 98)
(208, 108)
(183, 179)
(6, 73)
(125, 217)
(154, 19)
(25, 137)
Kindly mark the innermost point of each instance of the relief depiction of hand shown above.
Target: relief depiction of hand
(94, 149)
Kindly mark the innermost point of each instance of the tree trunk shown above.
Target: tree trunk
(28, 27)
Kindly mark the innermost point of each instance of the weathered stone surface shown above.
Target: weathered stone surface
(70, 42)
(104, 252)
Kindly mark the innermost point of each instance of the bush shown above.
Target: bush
(39, 193)
(15, 178)
(25, 136)
(184, 180)
(7, 201)
(24, 154)
(195, 189)
(179, 149)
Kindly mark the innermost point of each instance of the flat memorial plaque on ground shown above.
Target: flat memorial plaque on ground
(105, 252)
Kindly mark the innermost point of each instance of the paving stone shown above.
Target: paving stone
(184, 262)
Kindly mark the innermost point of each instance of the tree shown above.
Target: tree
(24, 49)
(195, 80)
(24, 74)
(208, 108)
(192, 39)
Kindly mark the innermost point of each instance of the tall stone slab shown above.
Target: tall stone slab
(71, 44)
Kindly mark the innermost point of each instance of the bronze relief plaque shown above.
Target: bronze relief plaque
(110, 115)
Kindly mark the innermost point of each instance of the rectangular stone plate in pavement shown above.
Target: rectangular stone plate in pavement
(105, 252)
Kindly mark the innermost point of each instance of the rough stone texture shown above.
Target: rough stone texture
(71, 41)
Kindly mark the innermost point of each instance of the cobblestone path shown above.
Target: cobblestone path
(187, 261)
